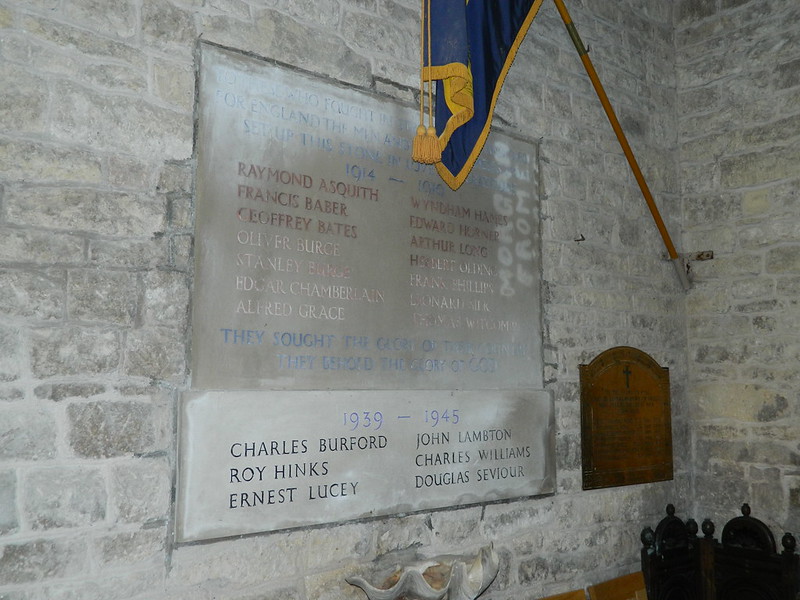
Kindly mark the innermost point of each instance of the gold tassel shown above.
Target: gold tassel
(425, 146)
(432, 152)
(417, 153)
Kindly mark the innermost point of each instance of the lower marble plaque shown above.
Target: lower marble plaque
(263, 461)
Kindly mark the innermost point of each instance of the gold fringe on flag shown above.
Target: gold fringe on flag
(425, 148)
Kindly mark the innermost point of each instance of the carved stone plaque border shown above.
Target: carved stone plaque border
(626, 425)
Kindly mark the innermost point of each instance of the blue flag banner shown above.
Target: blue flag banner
(472, 46)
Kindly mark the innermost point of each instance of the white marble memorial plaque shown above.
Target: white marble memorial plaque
(327, 259)
(261, 461)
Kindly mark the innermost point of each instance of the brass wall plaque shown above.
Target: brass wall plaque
(626, 426)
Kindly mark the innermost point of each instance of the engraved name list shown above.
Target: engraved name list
(327, 258)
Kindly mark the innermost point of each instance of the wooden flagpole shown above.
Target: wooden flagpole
(623, 142)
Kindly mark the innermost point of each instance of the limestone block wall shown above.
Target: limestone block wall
(739, 119)
(96, 226)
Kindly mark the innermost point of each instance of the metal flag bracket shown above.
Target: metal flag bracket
(683, 263)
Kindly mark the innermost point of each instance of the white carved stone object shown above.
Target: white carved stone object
(440, 578)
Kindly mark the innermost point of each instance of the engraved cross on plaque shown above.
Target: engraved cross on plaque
(627, 372)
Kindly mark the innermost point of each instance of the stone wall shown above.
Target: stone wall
(96, 225)
(739, 78)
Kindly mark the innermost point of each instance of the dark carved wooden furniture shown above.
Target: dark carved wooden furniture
(743, 565)
(671, 559)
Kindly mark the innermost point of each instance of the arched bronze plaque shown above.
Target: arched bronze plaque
(626, 427)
